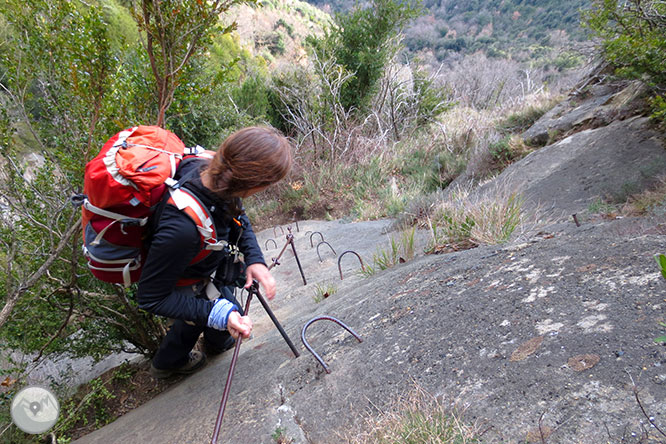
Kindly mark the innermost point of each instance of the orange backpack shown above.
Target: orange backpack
(122, 187)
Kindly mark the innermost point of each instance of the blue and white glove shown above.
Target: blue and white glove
(219, 315)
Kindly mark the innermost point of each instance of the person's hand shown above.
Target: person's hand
(263, 276)
(238, 325)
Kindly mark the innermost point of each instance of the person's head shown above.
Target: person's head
(248, 161)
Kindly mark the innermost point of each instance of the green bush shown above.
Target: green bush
(633, 37)
(363, 42)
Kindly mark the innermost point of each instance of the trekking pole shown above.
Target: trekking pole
(223, 404)
(290, 241)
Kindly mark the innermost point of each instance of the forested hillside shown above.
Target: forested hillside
(501, 28)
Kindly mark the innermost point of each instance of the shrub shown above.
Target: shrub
(633, 37)
(363, 42)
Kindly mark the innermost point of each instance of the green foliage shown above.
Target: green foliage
(289, 28)
(430, 169)
(122, 30)
(280, 436)
(568, 59)
(431, 100)
(506, 151)
(520, 121)
(658, 104)
(401, 249)
(598, 206)
(633, 36)
(661, 339)
(661, 261)
(89, 402)
(501, 151)
(362, 42)
(323, 291)
(176, 32)
(276, 44)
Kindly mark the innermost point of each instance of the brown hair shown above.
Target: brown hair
(249, 158)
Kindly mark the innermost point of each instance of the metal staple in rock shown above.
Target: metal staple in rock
(329, 246)
(311, 350)
(312, 234)
(340, 259)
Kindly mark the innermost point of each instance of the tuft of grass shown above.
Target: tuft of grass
(465, 221)
(602, 208)
(649, 202)
(521, 120)
(418, 418)
(280, 437)
(401, 249)
(322, 291)
(506, 151)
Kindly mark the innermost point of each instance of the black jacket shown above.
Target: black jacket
(176, 241)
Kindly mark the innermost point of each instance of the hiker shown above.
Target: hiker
(171, 285)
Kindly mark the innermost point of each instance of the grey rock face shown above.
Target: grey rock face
(551, 336)
(608, 162)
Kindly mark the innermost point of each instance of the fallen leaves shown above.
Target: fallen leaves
(8, 382)
(580, 363)
(526, 348)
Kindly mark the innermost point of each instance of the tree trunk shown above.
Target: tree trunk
(13, 298)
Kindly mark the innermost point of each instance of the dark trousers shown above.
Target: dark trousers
(181, 337)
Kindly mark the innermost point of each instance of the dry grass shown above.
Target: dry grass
(650, 201)
(417, 419)
(496, 146)
(378, 177)
(466, 219)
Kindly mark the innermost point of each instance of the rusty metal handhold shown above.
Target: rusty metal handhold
(289, 241)
(329, 318)
(575, 218)
(340, 259)
(290, 238)
(313, 233)
(275, 232)
(329, 246)
(266, 244)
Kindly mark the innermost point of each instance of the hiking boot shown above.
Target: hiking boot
(195, 362)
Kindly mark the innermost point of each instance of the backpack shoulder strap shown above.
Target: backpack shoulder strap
(198, 151)
(190, 204)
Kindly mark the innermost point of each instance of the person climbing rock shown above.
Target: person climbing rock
(196, 294)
